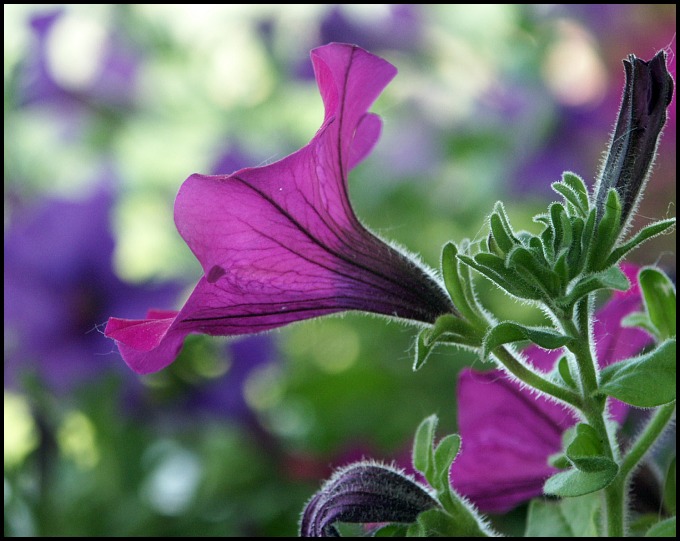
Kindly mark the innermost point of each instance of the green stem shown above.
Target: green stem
(534, 379)
(593, 408)
(656, 425)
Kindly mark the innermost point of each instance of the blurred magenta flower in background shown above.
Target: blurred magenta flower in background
(508, 433)
(281, 243)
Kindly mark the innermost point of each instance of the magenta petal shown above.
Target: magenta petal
(144, 344)
(507, 435)
(281, 243)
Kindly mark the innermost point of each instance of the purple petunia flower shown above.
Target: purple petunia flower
(59, 285)
(281, 243)
(364, 492)
(508, 433)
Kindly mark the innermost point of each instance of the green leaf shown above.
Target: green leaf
(460, 331)
(565, 372)
(639, 319)
(501, 230)
(423, 452)
(586, 451)
(573, 517)
(391, 530)
(612, 278)
(444, 455)
(639, 526)
(493, 267)
(644, 381)
(659, 295)
(575, 482)
(423, 350)
(574, 254)
(644, 234)
(438, 523)
(454, 280)
(577, 184)
(526, 264)
(665, 528)
(561, 226)
(508, 332)
(669, 489)
(608, 230)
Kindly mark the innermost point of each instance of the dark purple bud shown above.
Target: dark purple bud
(648, 92)
(364, 492)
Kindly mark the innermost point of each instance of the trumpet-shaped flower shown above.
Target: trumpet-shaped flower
(508, 433)
(281, 243)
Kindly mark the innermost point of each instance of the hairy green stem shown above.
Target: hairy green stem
(594, 410)
(656, 425)
(534, 379)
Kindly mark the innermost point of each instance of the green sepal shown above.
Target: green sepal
(575, 482)
(435, 523)
(574, 259)
(457, 330)
(578, 185)
(493, 267)
(561, 225)
(422, 350)
(608, 230)
(525, 261)
(391, 530)
(508, 332)
(665, 528)
(444, 455)
(565, 372)
(448, 329)
(457, 283)
(646, 233)
(547, 240)
(423, 451)
(501, 230)
(658, 293)
(644, 381)
(612, 278)
(586, 451)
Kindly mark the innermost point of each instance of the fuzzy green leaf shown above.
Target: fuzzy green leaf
(423, 452)
(644, 381)
(444, 455)
(586, 451)
(575, 482)
(565, 372)
(658, 292)
(644, 234)
(612, 278)
(508, 332)
(573, 517)
(665, 528)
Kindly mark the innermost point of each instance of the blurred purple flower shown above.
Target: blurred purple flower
(508, 433)
(223, 397)
(400, 28)
(281, 243)
(59, 285)
(111, 85)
